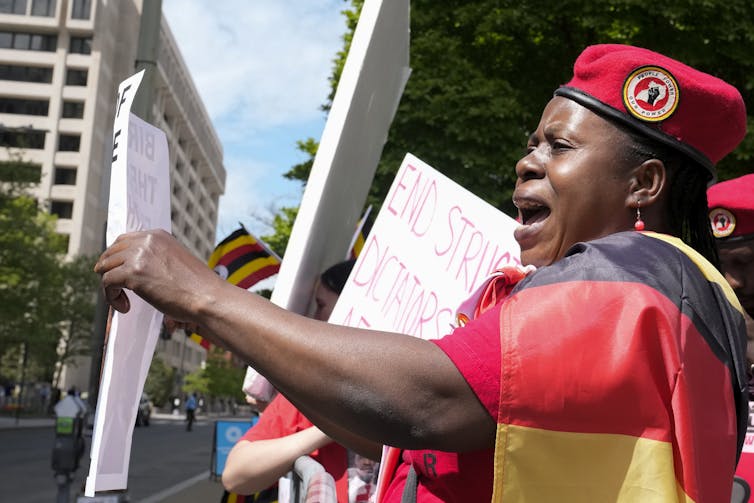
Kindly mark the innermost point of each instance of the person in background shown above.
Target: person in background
(283, 434)
(361, 480)
(626, 307)
(731, 214)
(190, 410)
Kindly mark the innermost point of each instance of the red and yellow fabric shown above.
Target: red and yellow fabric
(242, 260)
(621, 378)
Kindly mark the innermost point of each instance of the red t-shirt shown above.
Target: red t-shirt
(460, 477)
(281, 419)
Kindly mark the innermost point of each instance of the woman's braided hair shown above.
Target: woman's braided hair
(687, 203)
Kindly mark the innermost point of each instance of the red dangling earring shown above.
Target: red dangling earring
(639, 224)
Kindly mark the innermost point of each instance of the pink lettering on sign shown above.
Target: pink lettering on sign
(414, 200)
(361, 323)
(404, 303)
(468, 253)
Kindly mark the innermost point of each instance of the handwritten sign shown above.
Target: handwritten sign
(139, 199)
(431, 246)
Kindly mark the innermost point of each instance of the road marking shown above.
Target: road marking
(160, 496)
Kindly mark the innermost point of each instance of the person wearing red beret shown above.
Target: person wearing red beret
(614, 372)
(731, 216)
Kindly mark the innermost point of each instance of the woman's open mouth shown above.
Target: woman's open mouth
(532, 215)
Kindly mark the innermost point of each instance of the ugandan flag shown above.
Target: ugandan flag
(242, 260)
(359, 236)
(266, 496)
(622, 378)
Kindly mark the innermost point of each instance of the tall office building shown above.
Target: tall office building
(60, 65)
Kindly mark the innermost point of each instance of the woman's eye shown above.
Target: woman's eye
(560, 145)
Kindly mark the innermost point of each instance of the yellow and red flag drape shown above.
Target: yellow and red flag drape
(243, 260)
(359, 236)
(633, 397)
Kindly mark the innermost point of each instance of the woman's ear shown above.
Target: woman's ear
(647, 183)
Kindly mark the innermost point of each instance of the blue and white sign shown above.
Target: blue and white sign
(227, 433)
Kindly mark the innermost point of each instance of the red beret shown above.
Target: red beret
(732, 208)
(693, 112)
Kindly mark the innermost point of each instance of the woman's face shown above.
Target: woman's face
(324, 300)
(572, 184)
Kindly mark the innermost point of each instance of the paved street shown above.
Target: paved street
(163, 456)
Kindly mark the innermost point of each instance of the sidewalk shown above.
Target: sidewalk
(199, 489)
(10, 422)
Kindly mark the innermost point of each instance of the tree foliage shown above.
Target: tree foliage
(483, 70)
(282, 224)
(220, 377)
(159, 383)
(46, 302)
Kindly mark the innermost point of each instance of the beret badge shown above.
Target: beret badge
(650, 93)
(723, 222)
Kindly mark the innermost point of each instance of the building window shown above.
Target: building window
(73, 109)
(81, 45)
(65, 176)
(74, 77)
(63, 209)
(28, 41)
(23, 106)
(69, 142)
(12, 6)
(81, 9)
(44, 8)
(29, 138)
(26, 73)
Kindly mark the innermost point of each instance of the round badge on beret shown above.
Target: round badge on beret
(723, 222)
(650, 93)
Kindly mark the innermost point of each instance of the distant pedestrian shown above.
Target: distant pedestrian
(190, 410)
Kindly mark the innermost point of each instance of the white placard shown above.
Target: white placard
(431, 246)
(370, 86)
(139, 200)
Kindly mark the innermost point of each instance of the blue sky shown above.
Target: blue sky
(261, 68)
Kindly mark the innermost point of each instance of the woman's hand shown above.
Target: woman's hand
(160, 270)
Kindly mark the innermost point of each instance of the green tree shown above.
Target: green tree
(224, 376)
(282, 224)
(75, 308)
(196, 382)
(483, 70)
(159, 383)
(46, 302)
(31, 280)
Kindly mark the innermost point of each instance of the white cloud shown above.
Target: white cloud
(261, 68)
(248, 199)
(259, 63)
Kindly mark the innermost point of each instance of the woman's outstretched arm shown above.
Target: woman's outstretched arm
(389, 388)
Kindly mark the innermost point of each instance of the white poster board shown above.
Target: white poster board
(371, 84)
(139, 200)
(369, 90)
(431, 246)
